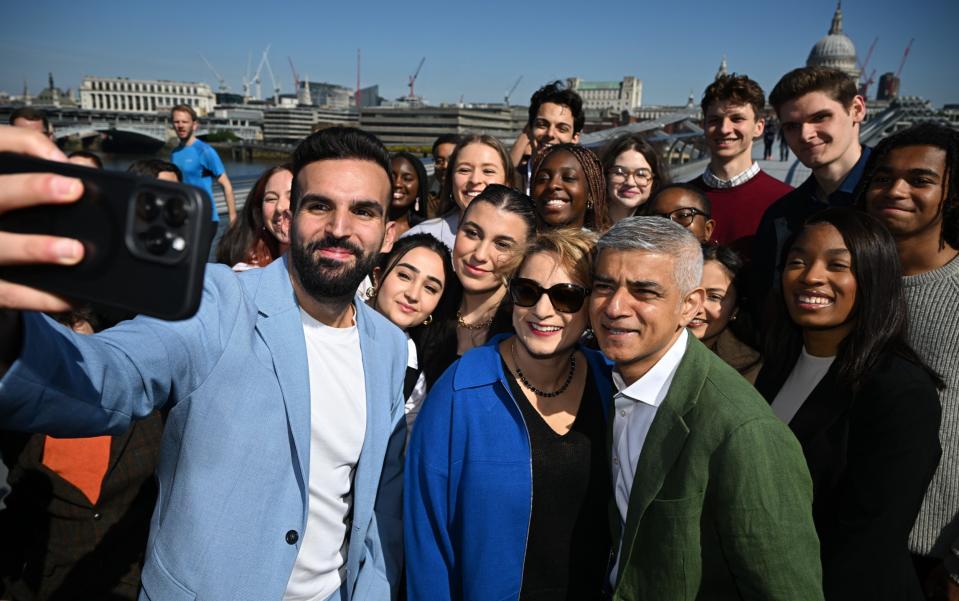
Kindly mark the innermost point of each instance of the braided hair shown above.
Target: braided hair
(597, 213)
(925, 134)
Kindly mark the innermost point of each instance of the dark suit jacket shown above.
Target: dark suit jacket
(871, 456)
(56, 544)
(721, 503)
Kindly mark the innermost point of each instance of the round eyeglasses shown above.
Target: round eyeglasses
(641, 176)
(684, 216)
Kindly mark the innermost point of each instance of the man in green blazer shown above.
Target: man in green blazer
(713, 499)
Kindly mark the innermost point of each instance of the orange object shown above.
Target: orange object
(82, 462)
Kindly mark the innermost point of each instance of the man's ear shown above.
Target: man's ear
(692, 303)
(389, 237)
(576, 138)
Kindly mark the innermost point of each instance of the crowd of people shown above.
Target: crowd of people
(543, 372)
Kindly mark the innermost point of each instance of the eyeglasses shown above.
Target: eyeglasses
(684, 216)
(641, 176)
(566, 298)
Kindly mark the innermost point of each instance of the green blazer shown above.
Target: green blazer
(721, 503)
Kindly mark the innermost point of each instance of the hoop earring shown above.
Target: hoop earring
(370, 292)
(429, 320)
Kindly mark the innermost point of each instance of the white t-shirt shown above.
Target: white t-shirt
(337, 430)
(802, 380)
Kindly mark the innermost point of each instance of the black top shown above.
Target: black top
(871, 455)
(567, 547)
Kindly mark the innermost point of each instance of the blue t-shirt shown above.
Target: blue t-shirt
(200, 165)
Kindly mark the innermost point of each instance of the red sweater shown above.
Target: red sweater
(738, 210)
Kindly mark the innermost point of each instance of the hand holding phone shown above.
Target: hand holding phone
(145, 241)
(23, 190)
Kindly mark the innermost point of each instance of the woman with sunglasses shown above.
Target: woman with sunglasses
(506, 484)
(685, 205)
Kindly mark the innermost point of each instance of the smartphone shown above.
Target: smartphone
(145, 240)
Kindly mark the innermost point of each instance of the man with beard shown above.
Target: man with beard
(280, 471)
(197, 160)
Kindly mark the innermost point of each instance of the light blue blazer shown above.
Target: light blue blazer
(234, 466)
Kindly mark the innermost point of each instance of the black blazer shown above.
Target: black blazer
(871, 456)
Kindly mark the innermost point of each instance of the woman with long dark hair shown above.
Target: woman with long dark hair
(414, 287)
(634, 173)
(489, 244)
(262, 232)
(507, 488)
(864, 407)
(723, 322)
(411, 187)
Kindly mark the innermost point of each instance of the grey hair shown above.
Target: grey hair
(660, 236)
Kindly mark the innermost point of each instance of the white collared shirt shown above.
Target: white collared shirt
(713, 181)
(636, 406)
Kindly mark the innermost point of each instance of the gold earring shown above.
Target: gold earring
(429, 320)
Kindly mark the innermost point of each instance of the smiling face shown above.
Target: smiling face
(553, 125)
(487, 243)
(670, 203)
(543, 330)
(819, 285)
(406, 185)
(339, 228)
(637, 309)
(731, 129)
(441, 158)
(906, 191)
(276, 205)
(719, 305)
(821, 131)
(477, 166)
(626, 182)
(412, 289)
(559, 190)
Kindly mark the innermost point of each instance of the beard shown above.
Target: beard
(325, 279)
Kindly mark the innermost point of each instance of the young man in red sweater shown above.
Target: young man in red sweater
(738, 189)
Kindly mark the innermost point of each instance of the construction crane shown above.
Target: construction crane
(296, 76)
(246, 78)
(905, 55)
(276, 87)
(866, 82)
(221, 83)
(864, 87)
(512, 89)
(414, 76)
(259, 69)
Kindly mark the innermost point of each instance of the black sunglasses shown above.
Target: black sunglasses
(566, 298)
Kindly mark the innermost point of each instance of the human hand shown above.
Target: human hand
(26, 190)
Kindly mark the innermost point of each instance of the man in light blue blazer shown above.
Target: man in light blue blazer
(259, 431)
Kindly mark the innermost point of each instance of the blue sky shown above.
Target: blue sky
(475, 49)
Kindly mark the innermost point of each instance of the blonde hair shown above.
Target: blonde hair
(574, 249)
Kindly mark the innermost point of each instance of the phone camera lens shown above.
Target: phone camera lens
(155, 239)
(175, 212)
(148, 207)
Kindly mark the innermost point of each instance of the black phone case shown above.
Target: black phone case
(117, 230)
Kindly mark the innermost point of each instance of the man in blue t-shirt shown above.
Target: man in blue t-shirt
(197, 160)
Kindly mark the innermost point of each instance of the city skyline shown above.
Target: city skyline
(487, 47)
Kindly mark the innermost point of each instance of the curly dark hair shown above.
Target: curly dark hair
(736, 88)
(924, 134)
(557, 93)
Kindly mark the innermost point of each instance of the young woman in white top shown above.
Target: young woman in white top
(476, 162)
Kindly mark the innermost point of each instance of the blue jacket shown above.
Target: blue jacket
(468, 485)
(234, 462)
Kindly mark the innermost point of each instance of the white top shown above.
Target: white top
(337, 430)
(636, 406)
(805, 376)
(415, 400)
(443, 228)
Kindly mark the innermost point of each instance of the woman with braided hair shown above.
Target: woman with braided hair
(569, 189)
